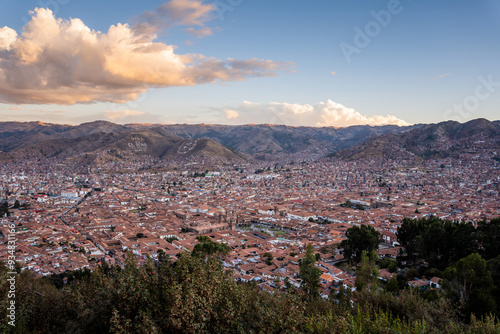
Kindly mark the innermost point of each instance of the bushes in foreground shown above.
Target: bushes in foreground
(196, 295)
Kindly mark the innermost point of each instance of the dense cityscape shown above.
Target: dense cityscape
(68, 221)
(249, 167)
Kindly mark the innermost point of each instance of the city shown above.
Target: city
(234, 166)
(67, 221)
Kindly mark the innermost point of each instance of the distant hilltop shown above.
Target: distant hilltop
(24, 140)
(432, 141)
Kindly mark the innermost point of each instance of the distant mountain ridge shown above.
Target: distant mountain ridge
(256, 140)
(106, 141)
(242, 142)
(430, 141)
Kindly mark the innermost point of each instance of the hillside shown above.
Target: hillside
(431, 141)
(111, 143)
(275, 139)
(238, 143)
(14, 135)
(257, 140)
(205, 148)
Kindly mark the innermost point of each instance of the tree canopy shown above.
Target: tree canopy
(197, 295)
(442, 242)
(208, 247)
(359, 239)
(469, 282)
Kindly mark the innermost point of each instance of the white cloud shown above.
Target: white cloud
(177, 12)
(7, 37)
(231, 114)
(189, 12)
(202, 32)
(65, 62)
(327, 113)
(333, 73)
(294, 109)
(121, 114)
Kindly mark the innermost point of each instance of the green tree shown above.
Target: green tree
(494, 267)
(411, 274)
(408, 236)
(488, 237)
(393, 266)
(385, 262)
(342, 299)
(440, 242)
(171, 239)
(469, 282)
(197, 295)
(359, 239)
(367, 274)
(4, 209)
(309, 273)
(269, 257)
(392, 286)
(464, 240)
(208, 247)
(162, 256)
(435, 243)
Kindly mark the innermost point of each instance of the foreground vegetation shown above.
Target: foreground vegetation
(196, 295)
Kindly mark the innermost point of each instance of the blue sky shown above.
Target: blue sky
(421, 62)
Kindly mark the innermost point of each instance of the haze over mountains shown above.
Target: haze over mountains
(242, 142)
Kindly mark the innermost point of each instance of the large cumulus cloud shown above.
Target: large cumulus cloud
(65, 62)
(327, 113)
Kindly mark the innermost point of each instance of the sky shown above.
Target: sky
(301, 63)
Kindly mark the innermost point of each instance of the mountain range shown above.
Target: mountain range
(109, 141)
(431, 141)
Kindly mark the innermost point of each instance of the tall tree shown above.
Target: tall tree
(488, 238)
(309, 273)
(464, 241)
(367, 274)
(409, 237)
(359, 239)
(436, 242)
(494, 267)
(469, 282)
